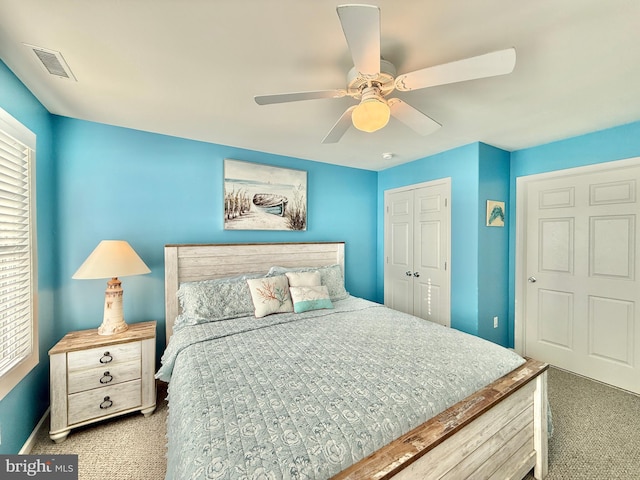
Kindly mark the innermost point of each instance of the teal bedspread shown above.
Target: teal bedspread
(303, 396)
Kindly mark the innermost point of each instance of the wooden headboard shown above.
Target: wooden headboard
(188, 263)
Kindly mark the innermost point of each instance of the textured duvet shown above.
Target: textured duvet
(303, 396)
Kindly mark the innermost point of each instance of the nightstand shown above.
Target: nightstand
(95, 377)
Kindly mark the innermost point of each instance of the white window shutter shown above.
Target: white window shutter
(16, 322)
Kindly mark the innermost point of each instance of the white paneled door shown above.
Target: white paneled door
(417, 250)
(579, 277)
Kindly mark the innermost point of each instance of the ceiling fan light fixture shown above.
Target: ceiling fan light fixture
(373, 112)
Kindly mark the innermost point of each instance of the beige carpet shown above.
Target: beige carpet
(596, 430)
(596, 437)
(123, 448)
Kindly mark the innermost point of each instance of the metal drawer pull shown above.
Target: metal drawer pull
(106, 357)
(106, 377)
(107, 402)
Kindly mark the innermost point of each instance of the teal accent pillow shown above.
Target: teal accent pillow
(310, 298)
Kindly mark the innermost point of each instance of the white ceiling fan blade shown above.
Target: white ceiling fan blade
(482, 66)
(412, 118)
(361, 26)
(340, 127)
(297, 96)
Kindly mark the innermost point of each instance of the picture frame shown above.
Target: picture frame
(495, 213)
(264, 197)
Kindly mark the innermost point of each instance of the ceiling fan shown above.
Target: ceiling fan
(373, 78)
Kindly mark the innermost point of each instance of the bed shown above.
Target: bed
(356, 391)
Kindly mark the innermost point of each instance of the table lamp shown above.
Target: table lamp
(112, 259)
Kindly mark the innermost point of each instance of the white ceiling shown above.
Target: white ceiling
(190, 69)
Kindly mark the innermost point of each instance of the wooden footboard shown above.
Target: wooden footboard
(499, 432)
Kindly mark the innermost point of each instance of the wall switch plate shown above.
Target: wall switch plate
(495, 322)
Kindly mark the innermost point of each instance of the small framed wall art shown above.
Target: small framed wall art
(495, 213)
(264, 197)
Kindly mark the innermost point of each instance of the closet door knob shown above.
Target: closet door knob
(408, 273)
(416, 274)
(532, 279)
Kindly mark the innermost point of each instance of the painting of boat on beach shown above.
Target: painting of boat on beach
(263, 197)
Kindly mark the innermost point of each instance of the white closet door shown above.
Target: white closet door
(398, 271)
(417, 238)
(430, 247)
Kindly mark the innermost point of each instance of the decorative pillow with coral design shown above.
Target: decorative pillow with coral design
(310, 298)
(270, 295)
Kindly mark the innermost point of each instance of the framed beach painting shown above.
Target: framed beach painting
(264, 197)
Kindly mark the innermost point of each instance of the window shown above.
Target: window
(18, 321)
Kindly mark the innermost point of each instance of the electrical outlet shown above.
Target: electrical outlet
(495, 322)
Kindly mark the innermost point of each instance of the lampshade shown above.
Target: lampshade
(110, 259)
(373, 112)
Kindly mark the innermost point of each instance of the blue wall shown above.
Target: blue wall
(22, 408)
(603, 146)
(493, 247)
(151, 190)
(461, 164)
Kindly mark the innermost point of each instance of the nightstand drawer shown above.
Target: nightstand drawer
(103, 401)
(103, 356)
(111, 374)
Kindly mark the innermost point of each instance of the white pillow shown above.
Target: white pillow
(331, 276)
(304, 279)
(270, 295)
(310, 298)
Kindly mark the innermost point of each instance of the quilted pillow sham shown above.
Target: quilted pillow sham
(214, 300)
(310, 298)
(330, 276)
(270, 295)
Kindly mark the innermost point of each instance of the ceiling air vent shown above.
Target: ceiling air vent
(52, 62)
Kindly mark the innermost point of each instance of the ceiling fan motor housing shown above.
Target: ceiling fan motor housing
(383, 81)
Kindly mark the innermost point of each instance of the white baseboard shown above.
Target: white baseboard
(28, 445)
